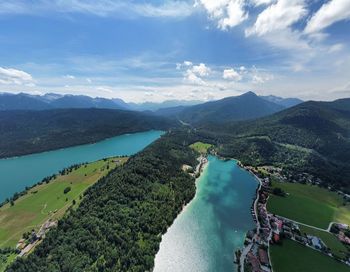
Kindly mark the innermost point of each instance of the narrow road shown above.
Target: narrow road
(306, 225)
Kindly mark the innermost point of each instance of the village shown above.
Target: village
(32, 239)
(273, 229)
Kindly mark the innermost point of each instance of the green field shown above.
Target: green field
(49, 201)
(293, 257)
(5, 260)
(201, 147)
(336, 247)
(309, 204)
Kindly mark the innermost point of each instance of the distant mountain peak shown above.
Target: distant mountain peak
(285, 102)
(249, 94)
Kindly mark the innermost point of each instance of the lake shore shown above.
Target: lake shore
(36, 167)
(199, 227)
(248, 247)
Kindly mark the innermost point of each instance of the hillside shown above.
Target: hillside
(156, 106)
(119, 223)
(312, 137)
(284, 102)
(25, 132)
(21, 102)
(24, 101)
(243, 107)
(83, 101)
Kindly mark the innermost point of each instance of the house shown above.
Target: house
(276, 237)
(263, 257)
(343, 238)
(316, 242)
(253, 262)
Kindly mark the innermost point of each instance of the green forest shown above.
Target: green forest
(119, 223)
(311, 138)
(26, 132)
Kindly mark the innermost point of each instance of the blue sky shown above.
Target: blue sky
(161, 50)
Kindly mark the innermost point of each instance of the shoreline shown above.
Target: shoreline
(254, 211)
(81, 144)
(200, 168)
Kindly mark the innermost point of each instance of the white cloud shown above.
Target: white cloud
(227, 13)
(278, 16)
(103, 8)
(11, 76)
(201, 70)
(261, 2)
(104, 89)
(260, 77)
(336, 48)
(187, 63)
(231, 74)
(69, 76)
(194, 74)
(193, 78)
(330, 13)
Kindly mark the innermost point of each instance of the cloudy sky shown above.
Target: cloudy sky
(159, 50)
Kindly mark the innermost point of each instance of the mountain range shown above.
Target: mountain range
(23, 101)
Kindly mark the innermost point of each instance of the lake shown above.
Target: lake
(19, 172)
(213, 225)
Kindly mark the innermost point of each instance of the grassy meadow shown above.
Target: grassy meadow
(293, 257)
(201, 147)
(47, 201)
(331, 241)
(309, 204)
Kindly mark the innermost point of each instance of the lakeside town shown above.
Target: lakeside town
(272, 229)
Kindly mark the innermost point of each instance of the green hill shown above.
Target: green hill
(119, 223)
(313, 137)
(243, 107)
(25, 132)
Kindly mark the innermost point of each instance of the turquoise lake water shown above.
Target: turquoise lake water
(213, 225)
(18, 172)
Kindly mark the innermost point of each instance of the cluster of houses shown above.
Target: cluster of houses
(342, 231)
(255, 255)
(272, 229)
(25, 245)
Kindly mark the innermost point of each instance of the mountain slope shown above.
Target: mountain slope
(284, 102)
(244, 107)
(120, 220)
(154, 106)
(313, 137)
(25, 132)
(83, 101)
(51, 100)
(21, 102)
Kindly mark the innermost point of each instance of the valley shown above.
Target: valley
(218, 205)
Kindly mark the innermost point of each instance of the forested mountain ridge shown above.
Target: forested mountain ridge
(23, 101)
(238, 108)
(312, 137)
(25, 132)
(119, 223)
(285, 102)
